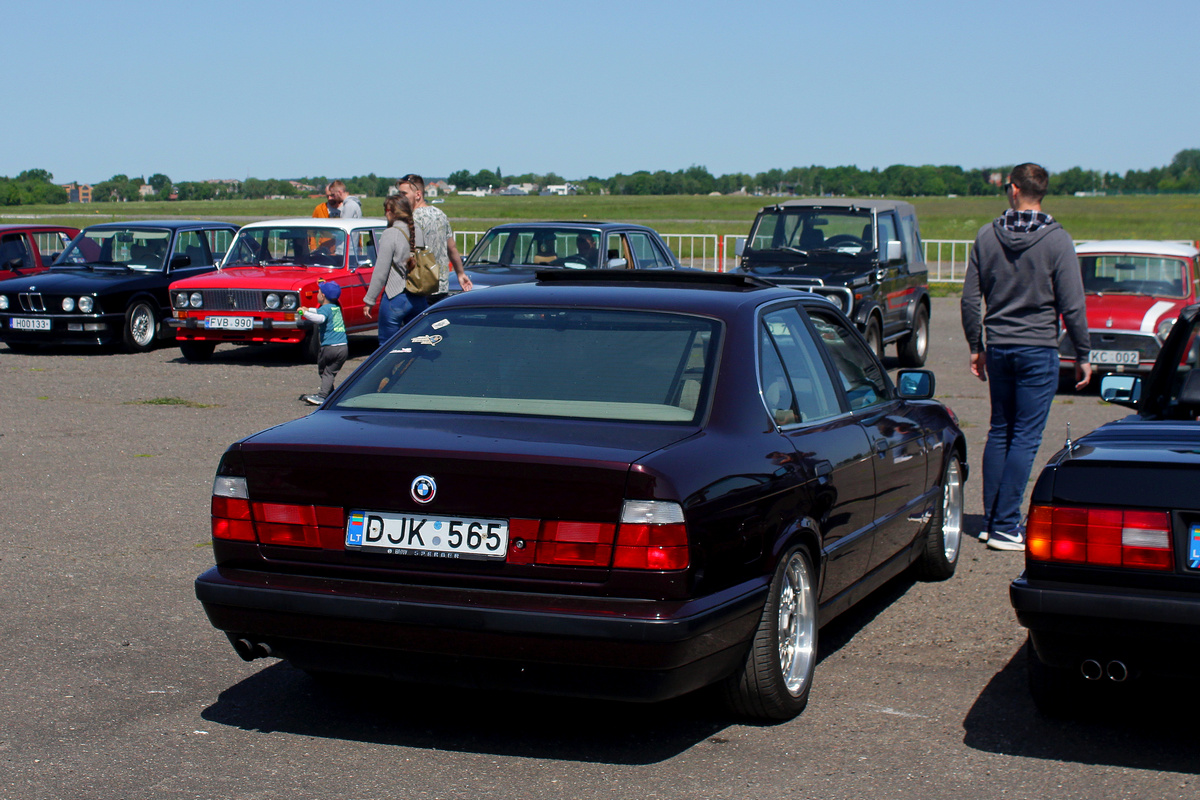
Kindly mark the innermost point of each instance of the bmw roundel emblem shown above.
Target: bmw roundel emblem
(423, 489)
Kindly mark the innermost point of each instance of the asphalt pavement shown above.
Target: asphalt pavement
(114, 685)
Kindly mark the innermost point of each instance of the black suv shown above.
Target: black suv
(865, 255)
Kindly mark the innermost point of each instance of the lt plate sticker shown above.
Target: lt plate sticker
(354, 534)
(1194, 548)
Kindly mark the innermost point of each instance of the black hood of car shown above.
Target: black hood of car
(99, 280)
(494, 275)
(840, 272)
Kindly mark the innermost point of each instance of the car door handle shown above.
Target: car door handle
(881, 447)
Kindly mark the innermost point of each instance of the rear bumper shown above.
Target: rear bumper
(591, 647)
(1150, 632)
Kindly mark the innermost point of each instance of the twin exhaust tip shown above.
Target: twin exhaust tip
(1093, 670)
(249, 650)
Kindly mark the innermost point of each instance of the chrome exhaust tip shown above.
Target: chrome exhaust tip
(1091, 669)
(1117, 671)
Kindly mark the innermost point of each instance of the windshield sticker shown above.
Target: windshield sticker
(441, 323)
(403, 350)
(429, 340)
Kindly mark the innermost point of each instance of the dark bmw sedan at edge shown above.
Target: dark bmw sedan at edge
(1111, 588)
(607, 484)
(109, 286)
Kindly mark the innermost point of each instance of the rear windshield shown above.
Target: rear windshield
(634, 366)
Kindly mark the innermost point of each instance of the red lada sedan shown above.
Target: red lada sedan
(271, 270)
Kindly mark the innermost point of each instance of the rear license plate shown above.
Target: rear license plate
(230, 323)
(418, 535)
(1194, 548)
(22, 324)
(1127, 357)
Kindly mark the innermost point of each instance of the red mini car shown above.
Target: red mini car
(29, 249)
(1135, 290)
(271, 270)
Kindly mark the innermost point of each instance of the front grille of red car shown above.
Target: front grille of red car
(1145, 344)
(233, 300)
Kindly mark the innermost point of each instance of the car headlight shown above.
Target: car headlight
(290, 301)
(196, 300)
(68, 304)
(273, 301)
(179, 299)
(3, 302)
(86, 305)
(1164, 329)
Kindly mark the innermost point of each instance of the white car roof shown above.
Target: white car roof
(356, 223)
(1142, 247)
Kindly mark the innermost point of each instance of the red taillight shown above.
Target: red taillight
(231, 519)
(596, 544)
(641, 546)
(1107, 537)
(277, 523)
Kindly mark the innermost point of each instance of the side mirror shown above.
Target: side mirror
(617, 263)
(1121, 390)
(915, 384)
(894, 251)
(180, 261)
(13, 264)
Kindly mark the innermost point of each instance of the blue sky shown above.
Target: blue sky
(269, 89)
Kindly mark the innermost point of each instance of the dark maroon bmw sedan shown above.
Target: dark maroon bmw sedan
(601, 484)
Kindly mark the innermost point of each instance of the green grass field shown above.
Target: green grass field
(1140, 217)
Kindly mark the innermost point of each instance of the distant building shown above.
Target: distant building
(559, 189)
(475, 192)
(145, 190)
(78, 192)
(435, 188)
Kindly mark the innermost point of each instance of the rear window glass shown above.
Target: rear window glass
(633, 366)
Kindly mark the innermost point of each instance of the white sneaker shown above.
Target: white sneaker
(1014, 540)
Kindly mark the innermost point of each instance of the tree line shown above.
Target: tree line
(1181, 176)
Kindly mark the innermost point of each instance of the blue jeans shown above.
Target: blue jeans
(1022, 382)
(395, 312)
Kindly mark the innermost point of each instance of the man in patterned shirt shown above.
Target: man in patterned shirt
(436, 231)
(1024, 269)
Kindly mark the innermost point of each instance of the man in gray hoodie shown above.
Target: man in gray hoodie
(1024, 269)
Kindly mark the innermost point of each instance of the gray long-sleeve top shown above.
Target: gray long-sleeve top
(1026, 280)
(391, 263)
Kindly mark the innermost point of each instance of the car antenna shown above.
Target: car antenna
(1069, 445)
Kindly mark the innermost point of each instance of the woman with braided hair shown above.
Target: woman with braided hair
(392, 261)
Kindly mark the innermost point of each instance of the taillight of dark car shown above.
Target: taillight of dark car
(651, 535)
(1103, 537)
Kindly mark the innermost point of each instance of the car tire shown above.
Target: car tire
(915, 347)
(310, 347)
(943, 539)
(874, 336)
(775, 680)
(141, 327)
(197, 351)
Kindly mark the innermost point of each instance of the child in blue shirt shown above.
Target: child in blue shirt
(334, 344)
